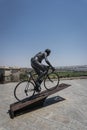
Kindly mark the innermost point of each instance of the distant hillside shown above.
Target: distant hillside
(72, 68)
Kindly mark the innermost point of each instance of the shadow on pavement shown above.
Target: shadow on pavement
(53, 100)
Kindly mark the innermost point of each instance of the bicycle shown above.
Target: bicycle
(26, 88)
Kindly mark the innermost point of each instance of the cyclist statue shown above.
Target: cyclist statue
(40, 69)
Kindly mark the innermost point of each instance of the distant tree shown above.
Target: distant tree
(23, 76)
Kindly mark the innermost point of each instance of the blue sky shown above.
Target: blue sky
(30, 26)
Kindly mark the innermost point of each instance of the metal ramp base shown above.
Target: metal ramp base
(36, 102)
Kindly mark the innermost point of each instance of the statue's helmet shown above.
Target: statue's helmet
(48, 51)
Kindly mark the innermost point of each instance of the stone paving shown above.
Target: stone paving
(69, 114)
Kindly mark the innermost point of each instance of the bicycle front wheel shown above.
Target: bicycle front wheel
(23, 90)
(51, 81)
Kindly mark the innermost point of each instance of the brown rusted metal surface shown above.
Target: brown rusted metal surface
(37, 100)
(20, 105)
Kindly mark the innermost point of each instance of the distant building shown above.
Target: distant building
(5, 75)
(9, 74)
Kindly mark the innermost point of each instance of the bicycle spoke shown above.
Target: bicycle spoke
(24, 89)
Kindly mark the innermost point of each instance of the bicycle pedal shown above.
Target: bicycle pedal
(38, 90)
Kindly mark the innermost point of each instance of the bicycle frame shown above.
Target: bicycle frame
(42, 76)
(31, 77)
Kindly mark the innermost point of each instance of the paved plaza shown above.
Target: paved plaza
(67, 114)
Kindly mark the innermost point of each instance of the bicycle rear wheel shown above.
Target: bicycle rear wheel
(51, 81)
(23, 90)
